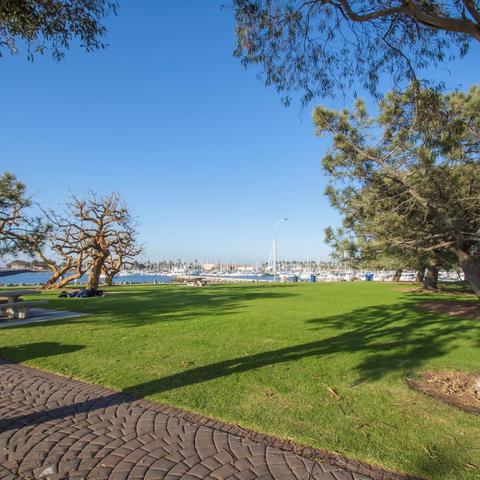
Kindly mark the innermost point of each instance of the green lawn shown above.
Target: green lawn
(264, 356)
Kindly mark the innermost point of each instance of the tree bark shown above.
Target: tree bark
(108, 282)
(58, 278)
(420, 275)
(53, 283)
(94, 273)
(430, 280)
(397, 275)
(471, 269)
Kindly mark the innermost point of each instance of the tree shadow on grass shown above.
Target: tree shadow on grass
(393, 339)
(457, 288)
(439, 461)
(396, 338)
(444, 288)
(166, 303)
(30, 351)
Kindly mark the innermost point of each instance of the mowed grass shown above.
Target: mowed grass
(265, 357)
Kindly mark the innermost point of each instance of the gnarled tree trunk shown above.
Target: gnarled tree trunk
(430, 281)
(397, 275)
(471, 269)
(420, 275)
(95, 272)
(62, 274)
(108, 281)
(57, 274)
(55, 282)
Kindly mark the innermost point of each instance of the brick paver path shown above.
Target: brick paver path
(54, 428)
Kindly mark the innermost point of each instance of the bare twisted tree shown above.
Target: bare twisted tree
(87, 236)
(70, 253)
(121, 254)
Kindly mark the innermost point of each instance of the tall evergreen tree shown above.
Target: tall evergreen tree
(19, 232)
(410, 178)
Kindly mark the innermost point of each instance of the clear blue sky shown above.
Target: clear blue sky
(205, 156)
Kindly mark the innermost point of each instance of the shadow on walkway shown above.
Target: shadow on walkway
(394, 339)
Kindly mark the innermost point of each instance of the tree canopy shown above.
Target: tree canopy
(89, 235)
(409, 179)
(316, 47)
(41, 25)
(18, 231)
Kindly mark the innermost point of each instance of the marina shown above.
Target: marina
(147, 277)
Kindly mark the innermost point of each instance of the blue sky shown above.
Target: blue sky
(204, 154)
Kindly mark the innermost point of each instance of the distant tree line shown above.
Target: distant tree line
(94, 236)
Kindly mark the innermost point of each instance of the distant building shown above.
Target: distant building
(24, 265)
(36, 265)
(18, 265)
(246, 269)
(208, 267)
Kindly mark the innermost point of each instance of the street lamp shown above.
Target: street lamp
(275, 248)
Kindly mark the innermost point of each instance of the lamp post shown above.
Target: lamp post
(275, 248)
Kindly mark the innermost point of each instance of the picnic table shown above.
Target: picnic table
(12, 296)
(14, 306)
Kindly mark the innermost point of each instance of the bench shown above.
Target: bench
(20, 310)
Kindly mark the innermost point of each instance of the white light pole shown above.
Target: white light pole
(275, 248)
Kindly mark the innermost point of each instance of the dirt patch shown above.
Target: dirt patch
(455, 388)
(418, 290)
(409, 289)
(443, 289)
(455, 308)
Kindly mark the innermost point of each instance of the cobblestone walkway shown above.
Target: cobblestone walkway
(54, 428)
